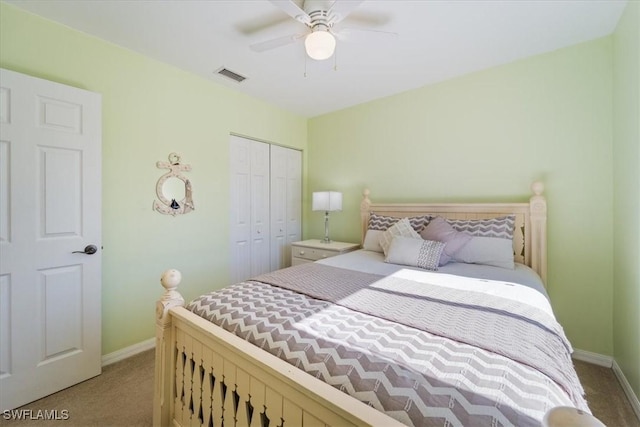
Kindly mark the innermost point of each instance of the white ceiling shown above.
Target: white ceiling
(437, 40)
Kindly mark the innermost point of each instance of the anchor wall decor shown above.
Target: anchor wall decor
(170, 201)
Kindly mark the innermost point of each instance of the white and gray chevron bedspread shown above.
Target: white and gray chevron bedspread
(423, 356)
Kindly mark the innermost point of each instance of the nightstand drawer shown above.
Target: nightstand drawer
(315, 250)
(312, 254)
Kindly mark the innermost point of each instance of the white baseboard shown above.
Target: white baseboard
(593, 358)
(609, 362)
(132, 350)
(633, 399)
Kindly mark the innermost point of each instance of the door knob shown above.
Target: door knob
(89, 250)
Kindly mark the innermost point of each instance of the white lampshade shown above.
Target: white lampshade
(320, 45)
(327, 201)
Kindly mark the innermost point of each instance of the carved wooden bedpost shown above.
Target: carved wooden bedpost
(364, 212)
(164, 348)
(538, 206)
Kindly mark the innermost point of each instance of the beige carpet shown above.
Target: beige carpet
(123, 395)
(605, 396)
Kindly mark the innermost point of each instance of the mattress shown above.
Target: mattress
(373, 262)
(494, 280)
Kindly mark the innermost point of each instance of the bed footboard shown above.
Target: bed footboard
(206, 376)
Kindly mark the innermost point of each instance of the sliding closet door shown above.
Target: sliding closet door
(249, 219)
(286, 203)
(266, 194)
(240, 218)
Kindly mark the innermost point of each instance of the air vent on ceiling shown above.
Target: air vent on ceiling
(231, 75)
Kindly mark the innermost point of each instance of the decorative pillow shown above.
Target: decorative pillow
(382, 222)
(401, 228)
(415, 252)
(372, 241)
(420, 222)
(501, 227)
(487, 250)
(440, 230)
(377, 225)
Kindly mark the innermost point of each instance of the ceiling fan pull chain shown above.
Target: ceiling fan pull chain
(305, 65)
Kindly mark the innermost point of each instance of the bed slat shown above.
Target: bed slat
(257, 392)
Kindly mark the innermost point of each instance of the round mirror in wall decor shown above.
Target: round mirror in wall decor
(173, 189)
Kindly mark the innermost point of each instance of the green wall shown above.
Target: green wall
(484, 137)
(626, 178)
(150, 109)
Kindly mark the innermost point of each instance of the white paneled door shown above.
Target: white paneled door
(286, 204)
(50, 237)
(249, 219)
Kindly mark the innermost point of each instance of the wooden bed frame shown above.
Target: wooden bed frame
(206, 376)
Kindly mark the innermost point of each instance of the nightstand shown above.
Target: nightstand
(314, 249)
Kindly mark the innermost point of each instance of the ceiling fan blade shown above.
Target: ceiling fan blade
(275, 43)
(358, 35)
(293, 10)
(340, 9)
(256, 25)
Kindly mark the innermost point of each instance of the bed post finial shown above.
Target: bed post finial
(164, 352)
(365, 207)
(170, 280)
(538, 213)
(537, 187)
(366, 202)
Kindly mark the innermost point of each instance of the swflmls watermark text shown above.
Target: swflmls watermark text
(36, 414)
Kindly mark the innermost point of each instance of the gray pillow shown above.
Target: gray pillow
(501, 227)
(383, 222)
(487, 250)
(441, 231)
(415, 252)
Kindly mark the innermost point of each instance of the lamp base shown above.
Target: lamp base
(326, 228)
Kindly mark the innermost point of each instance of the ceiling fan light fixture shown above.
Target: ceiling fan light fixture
(320, 45)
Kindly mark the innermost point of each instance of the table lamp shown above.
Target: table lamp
(327, 201)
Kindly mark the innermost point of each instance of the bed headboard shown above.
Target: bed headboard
(529, 236)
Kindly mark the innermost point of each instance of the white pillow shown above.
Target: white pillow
(415, 252)
(372, 241)
(401, 228)
(487, 250)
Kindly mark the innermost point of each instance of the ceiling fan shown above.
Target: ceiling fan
(319, 16)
